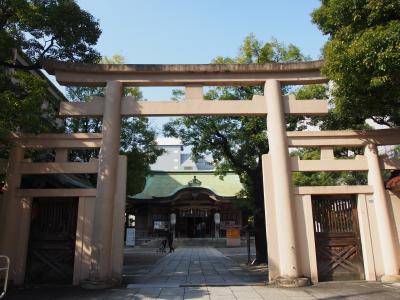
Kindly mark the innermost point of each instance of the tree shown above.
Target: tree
(57, 29)
(26, 105)
(37, 29)
(137, 138)
(362, 57)
(237, 143)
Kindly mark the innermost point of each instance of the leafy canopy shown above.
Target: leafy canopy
(57, 29)
(362, 57)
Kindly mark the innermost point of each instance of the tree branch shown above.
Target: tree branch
(35, 66)
(228, 153)
(48, 48)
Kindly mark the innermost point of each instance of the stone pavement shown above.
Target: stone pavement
(205, 273)
(196, 266)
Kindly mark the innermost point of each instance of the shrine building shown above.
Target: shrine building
(186, 197)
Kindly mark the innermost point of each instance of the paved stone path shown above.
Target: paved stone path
(196, 266)
(205, 273)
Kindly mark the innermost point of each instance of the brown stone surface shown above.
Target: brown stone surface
(51, 66)
(393, 183)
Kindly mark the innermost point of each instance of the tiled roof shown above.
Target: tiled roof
(164, 184)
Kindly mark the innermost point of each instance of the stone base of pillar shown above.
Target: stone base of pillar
(290, 282)
(390, 278)
(98, 285)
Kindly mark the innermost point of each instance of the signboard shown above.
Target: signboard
(130, 237)
(233, 237)
(228, 224)
(161, 225)
(233, 233)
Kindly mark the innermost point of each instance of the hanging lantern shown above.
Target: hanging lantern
(217, 218)
(173, 219)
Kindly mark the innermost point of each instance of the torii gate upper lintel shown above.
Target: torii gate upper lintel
(82, 74)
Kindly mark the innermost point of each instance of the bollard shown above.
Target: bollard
(248, 247)
(6, 269)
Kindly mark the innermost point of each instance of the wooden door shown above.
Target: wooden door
(337, 238)
(52, 240)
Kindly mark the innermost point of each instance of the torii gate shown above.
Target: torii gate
(282, 208)
(193, 77)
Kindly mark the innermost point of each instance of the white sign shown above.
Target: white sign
(173, 219)
(130, 237)
(217, 218)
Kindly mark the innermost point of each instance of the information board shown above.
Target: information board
(233, 237)
(130, 237)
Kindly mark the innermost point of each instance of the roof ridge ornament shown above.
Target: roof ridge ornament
(194, 182)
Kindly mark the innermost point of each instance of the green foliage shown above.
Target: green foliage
(38, 29)
(362, 57)
(327, 178)
(137, 138)
(57, 29)
(313, 91)
(330, 121)
(333, 120)
(26, 105)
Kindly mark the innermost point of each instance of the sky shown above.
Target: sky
(194, 32)
(190, 31)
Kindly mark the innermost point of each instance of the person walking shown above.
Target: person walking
(170, 238)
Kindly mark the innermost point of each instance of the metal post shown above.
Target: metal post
(6, 269)
(248, 247)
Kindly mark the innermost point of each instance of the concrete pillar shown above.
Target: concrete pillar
(327, 153)
(106, 184)
(194, 92)
(21, 251)
(61, 155)
(386, 231)
(9, 228)
(281, 178)
(119, 220)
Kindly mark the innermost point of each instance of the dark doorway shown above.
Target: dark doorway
(337, 238)
(191, 226)
(52, 240)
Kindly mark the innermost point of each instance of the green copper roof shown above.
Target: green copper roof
(164, 184)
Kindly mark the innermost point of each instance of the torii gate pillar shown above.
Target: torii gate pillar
(282, 185)
(106, 183)
(391, 264)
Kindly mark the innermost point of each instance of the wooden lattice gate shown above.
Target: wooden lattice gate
(52, 240)
(337, 238)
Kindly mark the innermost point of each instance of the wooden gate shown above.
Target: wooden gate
(337, 238)
(52, 240)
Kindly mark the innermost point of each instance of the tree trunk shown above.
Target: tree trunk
(259, 220)
(260, 238)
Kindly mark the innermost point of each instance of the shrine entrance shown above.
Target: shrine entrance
(195, 223)
(337, 238)
(292, 239)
